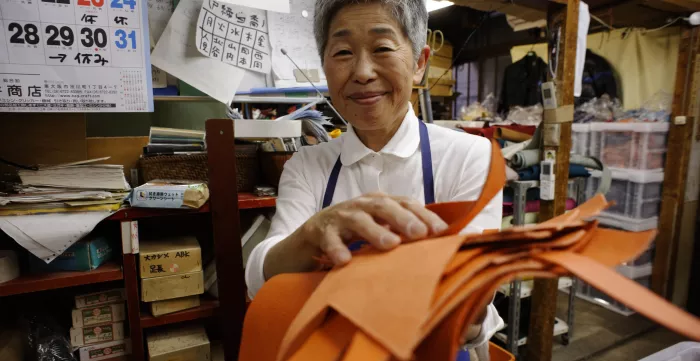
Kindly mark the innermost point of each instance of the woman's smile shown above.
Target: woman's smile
(367, 98)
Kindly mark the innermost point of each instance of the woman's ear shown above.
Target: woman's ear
(421, 65)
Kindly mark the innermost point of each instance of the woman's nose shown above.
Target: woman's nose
(364, 70)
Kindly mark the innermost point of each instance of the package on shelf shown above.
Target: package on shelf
(580, 138)
(169, 256)
(181, 344)
(159, 308)
(106, 351)
(636, 193)
(169, 287)
(84, 255)
(97, 334)
(633, 145)
(100, 298)
(98, 315)
(170, 194)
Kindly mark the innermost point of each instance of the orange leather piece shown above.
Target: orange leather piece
(413, 302)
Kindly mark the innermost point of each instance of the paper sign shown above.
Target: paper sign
(74, 56)
(177, 54)
(234, 34)
(280, 6)
(294, 33)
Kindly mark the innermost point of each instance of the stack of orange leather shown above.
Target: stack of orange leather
(413, 302)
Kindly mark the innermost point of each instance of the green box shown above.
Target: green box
(84, 255)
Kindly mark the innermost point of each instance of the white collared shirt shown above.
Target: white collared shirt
(460, 164)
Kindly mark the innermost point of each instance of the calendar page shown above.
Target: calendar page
(74, 56)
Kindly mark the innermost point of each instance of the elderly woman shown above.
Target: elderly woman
(371, 183)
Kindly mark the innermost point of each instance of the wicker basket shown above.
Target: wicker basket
(195, 167)
(272, 164)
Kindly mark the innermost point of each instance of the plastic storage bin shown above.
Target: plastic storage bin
(637, 193)
(684, 351)
(580, 138)
(590, 294)
(629, 145)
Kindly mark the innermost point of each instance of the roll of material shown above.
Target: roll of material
(9, 267)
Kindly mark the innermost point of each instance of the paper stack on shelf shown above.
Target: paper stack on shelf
(98, 326)
(55, 206)
(166, 141)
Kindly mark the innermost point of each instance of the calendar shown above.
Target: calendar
(75, 56)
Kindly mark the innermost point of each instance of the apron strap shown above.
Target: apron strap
(426, 161)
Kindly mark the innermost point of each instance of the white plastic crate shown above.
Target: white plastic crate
(587, 292)
(629, 145)
(683, 351)
(628, 224)
(580, 138)
(636, 193)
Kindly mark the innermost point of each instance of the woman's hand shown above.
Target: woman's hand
(377, 218)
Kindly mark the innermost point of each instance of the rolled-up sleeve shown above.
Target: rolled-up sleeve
(296, 203)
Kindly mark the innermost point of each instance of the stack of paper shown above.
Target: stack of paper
(55, 206)
(168, 141)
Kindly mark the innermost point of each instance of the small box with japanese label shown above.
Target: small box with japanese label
(96, 334)
(181, 344)
(170, 194)
(169, 256)
(100, 298)
(159, 308)
(169, 287)
(106, 351)
(98, 315)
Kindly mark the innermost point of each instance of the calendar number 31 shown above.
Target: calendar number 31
(125, 40)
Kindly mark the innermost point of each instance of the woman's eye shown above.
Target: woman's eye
(342, 52)
(383, 49)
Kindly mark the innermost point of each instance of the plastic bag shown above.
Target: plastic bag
(531, 115)
(46, 341)
(601, 109)
(479, 110)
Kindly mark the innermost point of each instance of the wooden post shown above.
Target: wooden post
(226, 230)
(676, 170)
(544, 295)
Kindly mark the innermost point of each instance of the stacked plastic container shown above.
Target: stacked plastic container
(635, 153)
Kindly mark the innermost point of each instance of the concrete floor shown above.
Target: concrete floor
(603, 335)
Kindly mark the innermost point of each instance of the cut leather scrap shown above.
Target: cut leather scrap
(413, 302)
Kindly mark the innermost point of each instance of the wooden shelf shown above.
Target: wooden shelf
(245, 201)
(109, 271)
(206, 309)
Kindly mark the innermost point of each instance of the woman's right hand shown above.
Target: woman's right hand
(376, 218)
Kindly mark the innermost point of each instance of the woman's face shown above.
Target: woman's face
(369, 66)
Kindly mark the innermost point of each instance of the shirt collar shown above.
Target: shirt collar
(403, 144)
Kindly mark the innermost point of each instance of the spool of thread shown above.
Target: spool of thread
(9, 267)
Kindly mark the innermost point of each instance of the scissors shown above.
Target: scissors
(433, 36)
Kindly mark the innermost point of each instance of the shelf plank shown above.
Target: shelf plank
(206, 309)
(245, 201)
(109, 271)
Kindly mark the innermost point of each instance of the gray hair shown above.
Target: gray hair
(410, 14)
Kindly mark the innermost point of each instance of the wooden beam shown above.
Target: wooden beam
(675, 172)
(544, 295)
(227, 235)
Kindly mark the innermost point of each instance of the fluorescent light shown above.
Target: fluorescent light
(433, 5)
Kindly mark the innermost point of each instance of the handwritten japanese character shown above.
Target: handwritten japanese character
(248, 35)
(261, 40)
(91, 19)
(227, 11)
(210, 21)
(245, 50)
(242, 61)
(257, 64)
(120, 20)
(157, 268)
(229, 56)
(85, 59)
(215, 52)
(254, 21)
(235, 31)
(222, 27)
(258, 55)
(240, 18)
(59, 56)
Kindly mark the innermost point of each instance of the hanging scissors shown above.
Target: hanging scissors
(433, 36)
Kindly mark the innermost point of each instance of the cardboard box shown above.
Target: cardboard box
(182, 344)
(169, 287)
(170, 256)
(97, 334)
(11, 345)
(100, 298)
(84, 255)
(165, 307)
(106, 351)
(98, 315)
